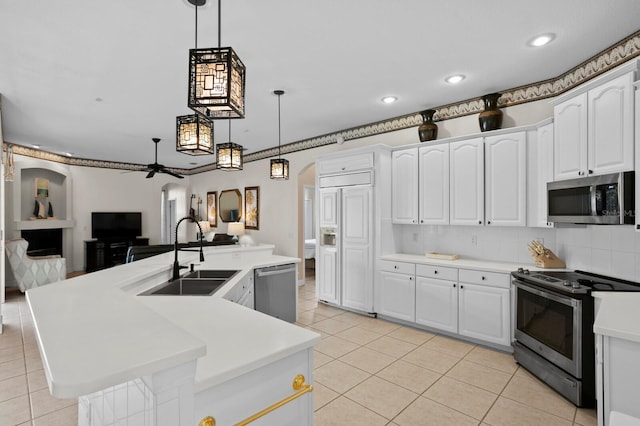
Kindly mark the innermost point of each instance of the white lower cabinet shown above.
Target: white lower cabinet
(484, 313)
(242, 292)
(437, 303)
(470, 303)
(398, 296)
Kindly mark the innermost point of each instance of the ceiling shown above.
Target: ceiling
(99, 79)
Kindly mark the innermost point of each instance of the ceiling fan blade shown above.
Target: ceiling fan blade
(150, 174)
(169, 172)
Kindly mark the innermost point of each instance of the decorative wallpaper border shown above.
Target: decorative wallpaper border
(623, 51)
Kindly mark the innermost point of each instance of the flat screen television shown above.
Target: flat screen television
(113, 225)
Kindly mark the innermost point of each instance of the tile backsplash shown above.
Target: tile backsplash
(609, 250)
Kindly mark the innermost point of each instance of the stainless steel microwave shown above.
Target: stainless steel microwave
(603, 200)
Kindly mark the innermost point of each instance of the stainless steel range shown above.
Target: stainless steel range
(554, 328)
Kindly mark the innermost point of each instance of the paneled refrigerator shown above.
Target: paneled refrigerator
(345, 254)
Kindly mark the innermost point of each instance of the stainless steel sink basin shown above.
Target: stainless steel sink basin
(212, 273)
(198, 283)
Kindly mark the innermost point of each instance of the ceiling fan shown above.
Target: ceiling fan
(154, 167)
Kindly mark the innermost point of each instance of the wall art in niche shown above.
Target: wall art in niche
(252, 207)
(212, 208)
(42, 188)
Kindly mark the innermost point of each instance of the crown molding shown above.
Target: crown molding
(623, 51)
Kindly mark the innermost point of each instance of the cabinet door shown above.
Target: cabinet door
(404, 186)
(437, 303)
(540, 172)
(328, 216)
(356, 279)
(466, 182)
(397, 296)
(484, 313)
(610, 118)
(327, 271)
(506, 179)
(570, 135)
(433, 184)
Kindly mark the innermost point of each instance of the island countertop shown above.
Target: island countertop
(95, 332)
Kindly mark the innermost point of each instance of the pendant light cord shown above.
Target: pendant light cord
(279, 125)
(196, 35)
(219, 22)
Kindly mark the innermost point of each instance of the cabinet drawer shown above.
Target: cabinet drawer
(495, 279)
(440, 272)
(399, 267)
(346, 163)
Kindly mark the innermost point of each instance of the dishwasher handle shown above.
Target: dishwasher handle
(266, 272)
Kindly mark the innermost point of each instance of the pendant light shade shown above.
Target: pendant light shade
(216, 80)
(194, 135)
(279, 166)
(229, 155)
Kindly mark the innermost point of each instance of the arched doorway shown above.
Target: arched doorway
(306, 220)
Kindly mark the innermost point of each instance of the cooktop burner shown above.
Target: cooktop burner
(576, 282)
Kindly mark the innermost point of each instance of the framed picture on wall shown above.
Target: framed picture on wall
(42, 188)
(212, 208)
(252, 207)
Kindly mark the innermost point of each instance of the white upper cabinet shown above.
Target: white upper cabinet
(570, 151)
(328, 207)
(610, 122)
(506, 179)
(433, 184)
(594, 130)
(466, 182)
(404, 186)
(540, 172)
(346, 163)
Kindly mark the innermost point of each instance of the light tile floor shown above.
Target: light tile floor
(367, 372)
(373, 372)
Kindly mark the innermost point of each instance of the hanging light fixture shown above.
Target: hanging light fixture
(194, 133)
(279, 166)
(229, 155)
(216, 80)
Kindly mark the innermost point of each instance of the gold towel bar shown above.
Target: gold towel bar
(298, 385)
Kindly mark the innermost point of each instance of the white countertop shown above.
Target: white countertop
(464, 263)
(618, 315)
(95, 332)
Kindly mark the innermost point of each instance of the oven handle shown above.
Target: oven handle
(552, 296)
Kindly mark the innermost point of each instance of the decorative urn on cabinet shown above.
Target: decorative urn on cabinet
(428, 130)
(491, 117)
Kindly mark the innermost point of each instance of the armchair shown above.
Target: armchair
(30, 271)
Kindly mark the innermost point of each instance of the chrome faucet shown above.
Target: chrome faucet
(176, 265)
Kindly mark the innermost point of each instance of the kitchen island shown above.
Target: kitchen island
(170, 359)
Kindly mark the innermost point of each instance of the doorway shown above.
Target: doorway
(307, 221)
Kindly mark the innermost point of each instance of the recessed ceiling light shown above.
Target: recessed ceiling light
(193, 164)
(36, 146)
(69, 154)
(541, 40)
(454, 79)
(389, 99)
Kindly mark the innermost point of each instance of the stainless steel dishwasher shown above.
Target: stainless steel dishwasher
(275, 291)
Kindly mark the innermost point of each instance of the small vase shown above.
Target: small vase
(491, 117)
(428, 130)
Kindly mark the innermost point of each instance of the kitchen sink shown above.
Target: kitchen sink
(197, 283)
(212, 273)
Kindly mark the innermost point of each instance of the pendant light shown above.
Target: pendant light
(229, 155)
(216, 80)
(279, 166)
(194, 133)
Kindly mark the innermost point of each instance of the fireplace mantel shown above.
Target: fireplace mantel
(43, 224)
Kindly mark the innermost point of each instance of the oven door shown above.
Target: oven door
(550, 324)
